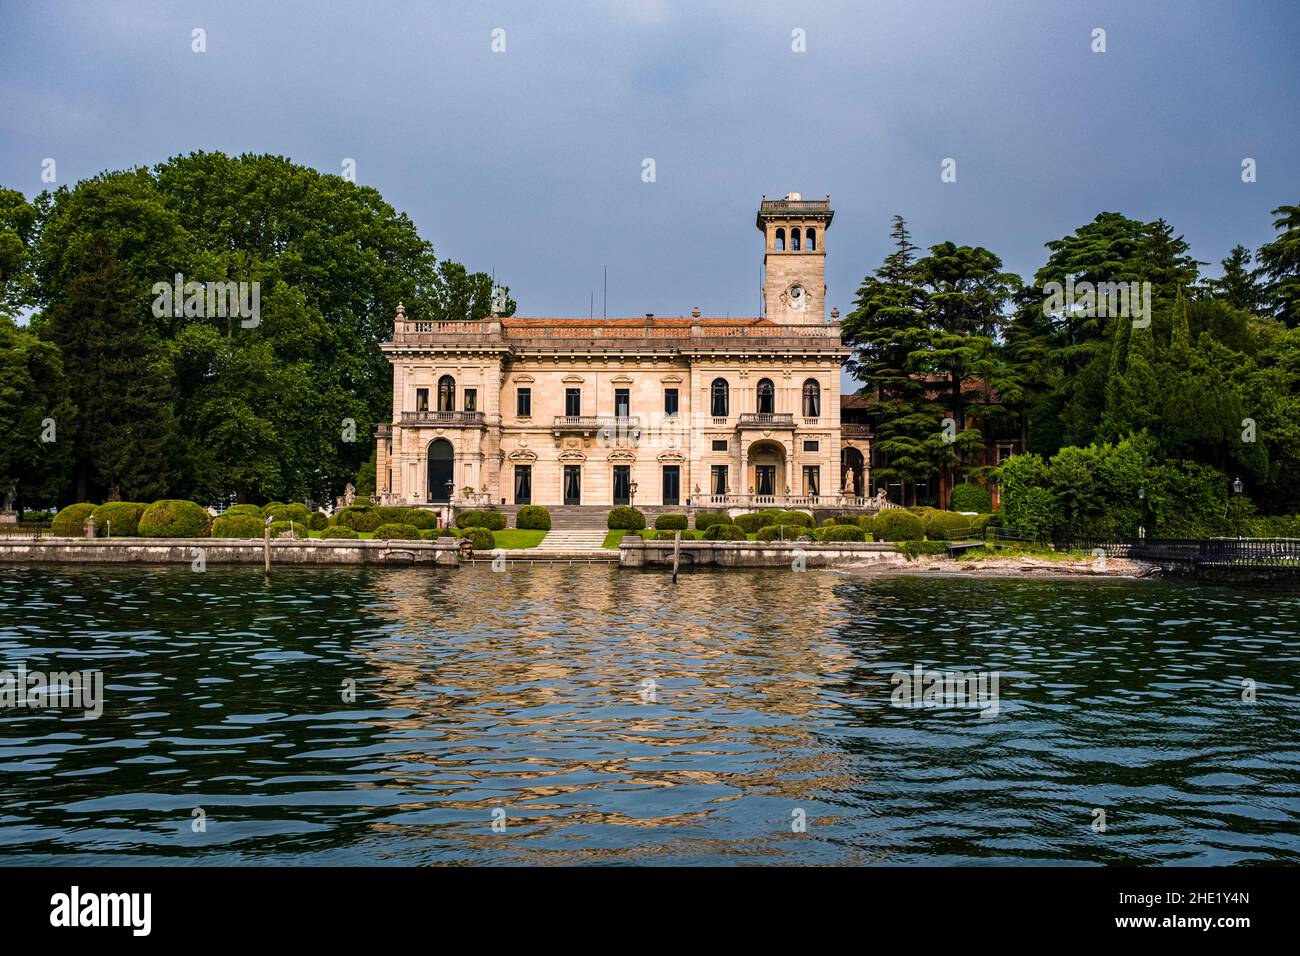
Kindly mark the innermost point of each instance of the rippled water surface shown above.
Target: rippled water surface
(526, 692)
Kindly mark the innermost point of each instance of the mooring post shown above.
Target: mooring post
(266, 544)
(677, 550)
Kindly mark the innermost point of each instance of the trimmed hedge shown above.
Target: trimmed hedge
(270, 506)
(288, 529)
(625, 518)
(174, 518)
(913, 549)
(671, 523)
(750, 523)
(480, 539)
(533, 518)
(491, 520)
(71, 521)
(782, 532)
(338, 531)
(358, 518)
(244, 510)
(795, 517)
(415, 517)
(318, 521)
(969, 497)
(842, 532)
(939, 523)
(299, 514)
(867, 523)
(724, 532)
(242, 525)
(120, 518)
(708, 519)
(667, 535)
(397, 530)
(897, 524)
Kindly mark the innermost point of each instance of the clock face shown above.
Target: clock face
(796, 297)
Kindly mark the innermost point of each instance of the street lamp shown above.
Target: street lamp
(632, 494)
(1237, 488)
(1142, 521)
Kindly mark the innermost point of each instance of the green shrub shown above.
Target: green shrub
(842, 532)
(415, 517)
(867, 523)
(782, 532)
(800, 518)
(358, 518)
(299, 514)
(243, 525)
(430, 534)
(318, 521)
(969, 497)
(707, 519)
(71, 521)
(449, 532)
(480, 539)
(897, 524)
(396, 530)
(121, 519)
(533, 517)
(173, 518)
(244, 510)
(724, 532)
(671, 523)
(362, 501)
(750, 523)
(270, 506)
(667, 534)
(939, 523)
(287, 529)
(914, 549)
(626, 519)
(492, 520)
(1272, 526)
(338, 531)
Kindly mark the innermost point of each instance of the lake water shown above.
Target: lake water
(606, 717)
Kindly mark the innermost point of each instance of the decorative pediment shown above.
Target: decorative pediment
(620, 380)
(671, 379)
(524, 379)
(523, 454)
(572, 380)
(671, 457)
(621, 455)
(572, 455)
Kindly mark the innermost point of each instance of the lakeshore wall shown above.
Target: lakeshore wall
(226, 551)
(636, 553)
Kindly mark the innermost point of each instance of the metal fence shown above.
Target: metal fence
(1200, 552)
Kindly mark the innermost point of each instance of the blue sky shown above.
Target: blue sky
(529, 161)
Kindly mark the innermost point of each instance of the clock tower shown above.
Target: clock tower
(794, 258)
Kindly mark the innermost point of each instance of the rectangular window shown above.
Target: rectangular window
(622, 484)
(421, 399)
(471, 399)
(523, 484)
(812, 446)
(573, 484)
(672, 484)
(812, 480)
(719, 444)
(670, 402)
(573, 402)
(718, 479)
(524, 402)
(622, 403)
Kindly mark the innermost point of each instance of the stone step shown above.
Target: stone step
(572, 540)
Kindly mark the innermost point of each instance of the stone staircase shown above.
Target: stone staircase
(570, 539)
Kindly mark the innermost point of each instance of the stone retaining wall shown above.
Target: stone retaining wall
(637, 553)
(183, 551)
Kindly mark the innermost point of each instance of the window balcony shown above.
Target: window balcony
(766, 420)
(446, 419)
(594, 423)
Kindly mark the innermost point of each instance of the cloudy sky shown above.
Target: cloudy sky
(529, 161)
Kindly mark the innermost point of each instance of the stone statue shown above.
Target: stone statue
(850, 485)
(349, 494)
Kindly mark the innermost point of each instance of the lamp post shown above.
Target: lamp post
(631, 489)
(1237, 488)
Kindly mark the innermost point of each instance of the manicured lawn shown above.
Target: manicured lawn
(511, 538)
(613, 538)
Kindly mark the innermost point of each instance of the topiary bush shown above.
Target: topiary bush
(318, 521)
(244, 510)
(913, 549)
(480, 539)
(533, 518)
(338, 531)
(783, 532)
(299, 514)
(358, 518)
(626, 519)
(707, 519)
(270, 506)
(670, 523)
(939, 523)
(449, 532)
(750, 523)
(242, 525)
(969, 497)
(897, 524)
(71, 521)
(492, 520)
(843, 532)
(724, 531)
(174, 518)
(121, 519)
(800, 518)
(415, 517)
(867, 523)
(396, 530)
(287, 529)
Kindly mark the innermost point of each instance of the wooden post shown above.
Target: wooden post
(266, 543)
(677, 549)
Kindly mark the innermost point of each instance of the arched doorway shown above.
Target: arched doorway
(441, 457)
(767, 478)
(852, 468)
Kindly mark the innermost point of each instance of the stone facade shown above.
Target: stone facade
(699, 412)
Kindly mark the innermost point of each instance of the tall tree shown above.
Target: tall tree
(1239, 285)
(1280, 261)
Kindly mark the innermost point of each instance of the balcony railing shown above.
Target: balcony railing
(855, 430)
(848, 502)
(767, 420)
(591, 423)
(427, 417)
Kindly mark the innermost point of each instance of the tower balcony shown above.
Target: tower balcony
(766, 420)
(588, 424)
(445, 419)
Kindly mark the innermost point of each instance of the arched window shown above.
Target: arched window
(446, 394)
(794, 240)
(766, 396)
(810, 240)
(721, 395)
(812, 399)
(780, 239)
